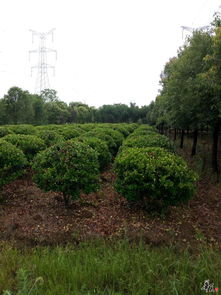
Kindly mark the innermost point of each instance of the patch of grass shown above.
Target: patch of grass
(112, 268)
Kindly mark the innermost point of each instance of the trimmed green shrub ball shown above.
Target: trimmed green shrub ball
(69, 132)
(23, 129)
(150, 140)
(69, 167)
(29, 144)
(116, 135)
(105, 137)
(121, 129)
(144, 130)
(131, 127)
(100, 146)
(87, 127)
(51, 127)
(50, 137)
(12, 162)
(153, 174)
(5, 131)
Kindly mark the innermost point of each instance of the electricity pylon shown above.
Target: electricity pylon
(42, 81)
(191, 30)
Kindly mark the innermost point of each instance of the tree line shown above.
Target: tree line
(19, 106)
(190, 98)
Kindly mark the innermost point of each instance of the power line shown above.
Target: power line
(42, 81)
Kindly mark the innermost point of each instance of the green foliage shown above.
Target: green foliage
(81, 113)
(189, 96)
(100, 146)
(5, 131)
(18, 105)
(12, 162)
(121, 129)
(106, 268)
(50, 137)
(23, 129)
(141, 132)
(153, 174)
(105, 137)
(69, 167)
(29, 144)
(87, 127)
(116, 135)
(69, 132)
(150, 140)
(144, 130)
(131, 127)
(57, 111)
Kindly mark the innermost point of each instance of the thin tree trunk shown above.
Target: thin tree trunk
(182, 138)
(216, 130)
(66, 200)
(195, 137)
(174, 138)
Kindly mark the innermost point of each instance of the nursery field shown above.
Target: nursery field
(103, 209)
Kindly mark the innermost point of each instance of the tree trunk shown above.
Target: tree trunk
(66, 200)
(195, 137)
(182, 138)
(174, 138)
(216, 130)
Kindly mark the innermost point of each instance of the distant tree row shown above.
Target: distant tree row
(21, 107)
(190, 98)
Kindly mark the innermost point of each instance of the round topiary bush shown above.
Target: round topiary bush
(51, 127)
(144, 130)
(105, 137)
(12, 162)
(69, 167)
(121, 129)
(23, 129)
(50, 137)
(100, 146)
(5, 131)
(131, 127)
(150, 140)
(29, 144)
(87, 127)
(69, 132)
(153, 174)
(116, 135)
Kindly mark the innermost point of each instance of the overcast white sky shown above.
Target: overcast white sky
(109, 51)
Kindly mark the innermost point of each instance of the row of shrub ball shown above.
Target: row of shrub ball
(69, 158)
(64, 158)
(148, 171)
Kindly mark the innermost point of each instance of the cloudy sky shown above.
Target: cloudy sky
(109, 51)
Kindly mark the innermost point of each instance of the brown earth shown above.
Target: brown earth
(29, 216)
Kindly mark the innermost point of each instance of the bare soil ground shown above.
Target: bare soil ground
(29, 216)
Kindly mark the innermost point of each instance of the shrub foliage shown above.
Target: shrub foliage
(153, 174)
(5, 131)
(69, 167)
(100, 146)
(150, 140)
(12, 162)
(50, 137)
(29, 144)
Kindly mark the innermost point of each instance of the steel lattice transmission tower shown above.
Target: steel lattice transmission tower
(191, 30)
(42, 67)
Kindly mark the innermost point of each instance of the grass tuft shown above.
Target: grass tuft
(112, 268)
